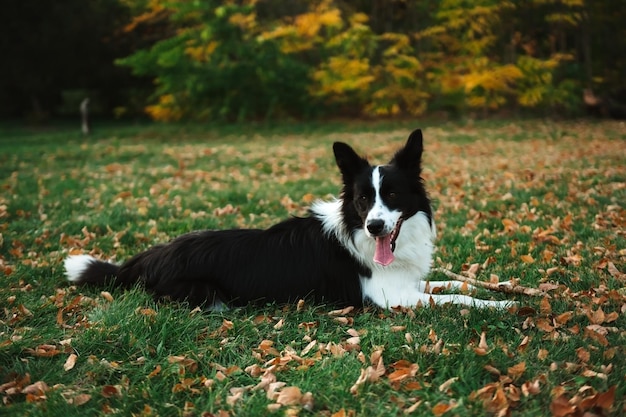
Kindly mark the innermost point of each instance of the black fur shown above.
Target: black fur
(294, 259)
(291, 260)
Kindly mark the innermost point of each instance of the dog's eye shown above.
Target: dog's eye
(391, 194)
(362, 197)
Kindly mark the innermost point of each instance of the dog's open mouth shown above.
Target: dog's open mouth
(385, 245)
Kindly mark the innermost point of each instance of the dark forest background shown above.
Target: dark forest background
(295, 59)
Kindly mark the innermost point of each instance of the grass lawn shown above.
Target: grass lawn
(536, 201)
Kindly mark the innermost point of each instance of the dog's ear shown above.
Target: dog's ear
(410, 157)
(348, 161)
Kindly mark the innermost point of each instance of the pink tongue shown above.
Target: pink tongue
(383, 254)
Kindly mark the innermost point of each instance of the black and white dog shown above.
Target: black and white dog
(372, 245)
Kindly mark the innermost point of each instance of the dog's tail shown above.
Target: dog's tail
(85, 269)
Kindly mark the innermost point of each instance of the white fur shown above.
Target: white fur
(400, 283)
(379, 210)
(75, 265)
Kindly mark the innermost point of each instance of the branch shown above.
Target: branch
(505, 287)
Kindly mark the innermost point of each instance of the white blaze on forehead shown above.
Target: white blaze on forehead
(379, 210)
(376, 211)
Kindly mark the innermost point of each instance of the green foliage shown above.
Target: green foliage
(241, 60)
(215, 67)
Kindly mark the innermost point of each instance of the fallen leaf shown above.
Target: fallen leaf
(289, 396)
(446, 385)
(561, 407)
(107, 296)
(516, 371)
(38, 388)
(70, 362)
(155, 372)
(442, 408)
(545, 307)
(109, 391)
(81, 399)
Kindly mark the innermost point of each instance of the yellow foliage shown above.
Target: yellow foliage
(201, 53)
(245, 22)
(304, 31)
(341, 75)
(166, 110)
(155, 11)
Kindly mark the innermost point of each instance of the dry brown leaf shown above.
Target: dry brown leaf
(38, 388)
(353, 340)
(107, 296)
(308, 347)
(527, 259)
(109, 391)
(155, 371)
(545, 307)
(561, 407)
(523, 345)
(482, 344)
(70, 362)
(596, 317)
(236, 394)
(564, 317)
(615, 273)
(442, 408)
(446, 385)
(81, 399)
(531, 387)
(289, 396)
(341, 312)
(516, 371)
(272, 389)
(340, 413)
(583, 354)
(606, 399)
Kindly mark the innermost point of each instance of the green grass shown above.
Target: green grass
(502, 190)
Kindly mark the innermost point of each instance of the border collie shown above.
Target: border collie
(373, 245)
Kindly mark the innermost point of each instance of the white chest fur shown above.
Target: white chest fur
(399, 282)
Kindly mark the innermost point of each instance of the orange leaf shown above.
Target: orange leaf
(544, 306)
(606, 399)
(516, 371)
(155, 372)
(441, 408)
(564, 317)
(560, 406)
(527, 259)
(583, 354)
(340, 413)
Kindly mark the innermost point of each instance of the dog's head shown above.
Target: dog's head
(379, 198)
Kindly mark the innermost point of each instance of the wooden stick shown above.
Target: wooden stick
(500, 287)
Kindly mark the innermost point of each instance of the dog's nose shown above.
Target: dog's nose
(375, 227)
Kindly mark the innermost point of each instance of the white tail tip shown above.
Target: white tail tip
(75, 265)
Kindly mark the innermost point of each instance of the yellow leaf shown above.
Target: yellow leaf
(528, 259)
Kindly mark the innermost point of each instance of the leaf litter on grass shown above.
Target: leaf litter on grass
(546, 212)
